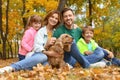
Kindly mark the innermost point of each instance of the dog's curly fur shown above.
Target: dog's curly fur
(63, 43)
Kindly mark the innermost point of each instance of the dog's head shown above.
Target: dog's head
(67, 41)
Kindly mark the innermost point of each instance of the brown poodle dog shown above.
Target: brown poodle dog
(63, 43)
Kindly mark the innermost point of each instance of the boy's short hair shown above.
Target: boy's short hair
(87, 28)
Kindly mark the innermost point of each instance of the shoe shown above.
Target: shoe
(98, 64)
(115, 61)
(6, 69)
(70, 66)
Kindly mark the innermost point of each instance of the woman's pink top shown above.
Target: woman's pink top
(27, 42)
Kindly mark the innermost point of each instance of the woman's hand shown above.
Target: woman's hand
(50, 42)
(52, 53)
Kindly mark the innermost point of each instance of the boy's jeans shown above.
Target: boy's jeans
(97, 55)
(28, 63)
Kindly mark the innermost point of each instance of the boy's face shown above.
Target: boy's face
(68, 18)
(88, 35)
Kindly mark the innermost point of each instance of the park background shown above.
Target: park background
(103, 15)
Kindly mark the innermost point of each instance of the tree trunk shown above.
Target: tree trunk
(24, 20)
(90, 12)
(61, 5)
(6, 34)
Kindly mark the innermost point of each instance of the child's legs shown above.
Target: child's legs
(28, 63)
(97, 55)
(21, 57)
(106, 55)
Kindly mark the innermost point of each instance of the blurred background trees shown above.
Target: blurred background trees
(102, 15)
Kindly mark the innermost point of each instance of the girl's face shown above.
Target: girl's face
(36, 25)
(53, 19)
(88, 35)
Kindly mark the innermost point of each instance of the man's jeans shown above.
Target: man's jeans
(97, 55)
(28, 63)
(73, 55)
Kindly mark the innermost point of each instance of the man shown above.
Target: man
(69, 28)
(71, 57)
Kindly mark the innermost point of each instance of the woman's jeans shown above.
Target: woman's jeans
(28, 63)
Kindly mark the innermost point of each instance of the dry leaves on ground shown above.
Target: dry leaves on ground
(47, 73)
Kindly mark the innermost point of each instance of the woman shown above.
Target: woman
(42, 39)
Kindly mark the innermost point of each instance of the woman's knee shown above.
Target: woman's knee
(40, 57)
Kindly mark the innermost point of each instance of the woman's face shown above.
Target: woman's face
(53, 19)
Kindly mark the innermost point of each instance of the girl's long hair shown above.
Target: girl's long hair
(31, 19)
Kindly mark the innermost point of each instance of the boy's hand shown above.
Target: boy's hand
(110, 54)
(88, 52)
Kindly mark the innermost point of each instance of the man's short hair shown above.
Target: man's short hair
(66, 9)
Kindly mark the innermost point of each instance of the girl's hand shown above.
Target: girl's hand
(88, 52)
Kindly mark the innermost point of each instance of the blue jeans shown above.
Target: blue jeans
(28, 63)
(74, 55)
(97, 55)
(21, 57)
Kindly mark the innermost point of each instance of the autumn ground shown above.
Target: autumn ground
(46, 73)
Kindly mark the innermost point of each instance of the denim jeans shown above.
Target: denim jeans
(21, 57)
(97, 55)
(28, 63)
(74, 55)
(106, 55)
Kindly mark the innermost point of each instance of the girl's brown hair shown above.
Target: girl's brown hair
(45, 21)
(31, 19)
(84, 29)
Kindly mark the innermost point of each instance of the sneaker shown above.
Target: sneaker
(70, 66)
(98, 64)
(6, 69)
(115, 61)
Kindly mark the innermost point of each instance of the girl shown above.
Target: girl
(43, 39)
(33, 25)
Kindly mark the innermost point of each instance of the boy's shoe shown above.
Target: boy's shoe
(98, 64)
(115, 61)
(6, 69)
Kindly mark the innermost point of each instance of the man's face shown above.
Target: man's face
(68, 18)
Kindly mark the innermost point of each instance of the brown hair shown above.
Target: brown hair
(31, 19)
(84, 29)
(65, 10)
(49, 15)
